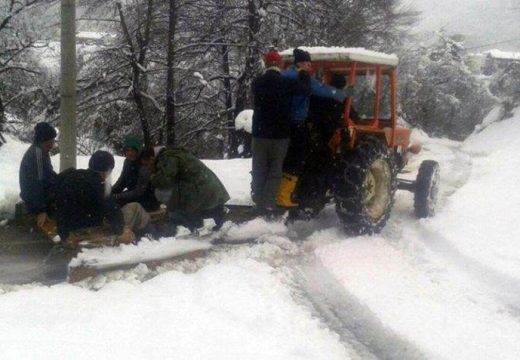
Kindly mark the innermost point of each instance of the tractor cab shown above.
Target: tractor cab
(374, 78)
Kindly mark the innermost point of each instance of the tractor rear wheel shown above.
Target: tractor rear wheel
(426, 189)
(365, 186)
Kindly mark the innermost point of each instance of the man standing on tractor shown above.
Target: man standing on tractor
(134, 183)
(295, 159)
(37, 177)
(191, 191)
(83, 200)
(272, 95)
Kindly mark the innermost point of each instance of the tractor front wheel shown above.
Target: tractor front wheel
(426, 189)
(365, 186)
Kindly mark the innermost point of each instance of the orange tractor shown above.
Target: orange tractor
(358, 164)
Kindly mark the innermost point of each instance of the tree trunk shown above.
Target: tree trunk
(137, 62)
(68, 85)
(2, 122)
(243, 91)
(228, 99)
(170, 85)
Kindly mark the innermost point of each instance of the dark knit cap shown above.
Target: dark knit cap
(301, 56)
(44, 132)
(133, 142)
(101, 161)
(338, 81)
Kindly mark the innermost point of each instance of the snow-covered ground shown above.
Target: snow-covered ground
(441, 288)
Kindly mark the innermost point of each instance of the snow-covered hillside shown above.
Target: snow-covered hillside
(440, 288)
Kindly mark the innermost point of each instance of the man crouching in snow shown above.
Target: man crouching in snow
(83, 200)
(189, 188)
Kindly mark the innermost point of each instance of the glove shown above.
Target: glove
(126, 237)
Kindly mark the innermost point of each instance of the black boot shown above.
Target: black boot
(219, 216)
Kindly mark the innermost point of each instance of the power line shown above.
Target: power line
(495, 43)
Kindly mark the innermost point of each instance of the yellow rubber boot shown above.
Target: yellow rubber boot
(287, 187)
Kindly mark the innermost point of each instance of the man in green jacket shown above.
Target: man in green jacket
(191, 191)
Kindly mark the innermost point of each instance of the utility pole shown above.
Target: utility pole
(68, 85)
(170, 85)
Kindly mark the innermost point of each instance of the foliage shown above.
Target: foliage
(438, 91)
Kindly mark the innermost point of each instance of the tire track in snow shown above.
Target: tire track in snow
(359, 329)
(506, 288)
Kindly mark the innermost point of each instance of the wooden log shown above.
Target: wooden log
(81, 272)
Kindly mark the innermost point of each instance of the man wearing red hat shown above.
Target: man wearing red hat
(272, 95)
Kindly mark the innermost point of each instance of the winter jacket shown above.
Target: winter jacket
(37, 180)
(300, 104)
(136, 180)
(195, 188)
(81, 203)
(326, 115)
(272, 103)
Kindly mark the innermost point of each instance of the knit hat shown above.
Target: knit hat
(301, 56)
(272, 58)
(44, 132)
(101, 161)
(133, 142)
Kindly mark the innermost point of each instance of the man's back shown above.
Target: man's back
(272, 97)
(37, 179)
(81, 202)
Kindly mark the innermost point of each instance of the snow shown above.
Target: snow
(244, 121)
(447, 287)
(233, 310)
(336, 53)
(505, 55)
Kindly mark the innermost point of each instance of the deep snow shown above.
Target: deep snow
(441, 288)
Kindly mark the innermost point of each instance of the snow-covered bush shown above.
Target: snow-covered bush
(439, 93)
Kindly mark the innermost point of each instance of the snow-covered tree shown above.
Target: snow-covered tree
(438, 92)
(19, 33)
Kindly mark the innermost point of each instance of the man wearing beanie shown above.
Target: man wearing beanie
(83, 200)
(295, 160)
(134, 183)
(37, 177)
(272, 95)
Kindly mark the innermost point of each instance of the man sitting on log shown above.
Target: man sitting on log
(83, 201)
(37, 177)
(134, 184)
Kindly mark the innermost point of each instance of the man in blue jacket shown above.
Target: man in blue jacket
(295, 159)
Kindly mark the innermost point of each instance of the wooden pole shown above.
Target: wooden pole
(68, 85)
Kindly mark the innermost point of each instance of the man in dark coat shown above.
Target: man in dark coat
(189, 188)
(82, 201)
(134, 183)
(37, 177)
(273, 96)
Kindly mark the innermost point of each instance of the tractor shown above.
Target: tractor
(357, 165)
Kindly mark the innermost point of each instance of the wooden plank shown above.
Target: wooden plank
(79, 273)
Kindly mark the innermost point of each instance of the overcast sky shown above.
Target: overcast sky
(482, 21)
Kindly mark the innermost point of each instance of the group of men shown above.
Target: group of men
(285, 102)
(82, 198)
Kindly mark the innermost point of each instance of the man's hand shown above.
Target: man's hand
(127, 236)
(41, 218)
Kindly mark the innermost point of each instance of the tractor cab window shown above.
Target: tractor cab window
(364, 98)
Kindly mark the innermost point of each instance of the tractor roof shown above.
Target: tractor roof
(342, 54)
